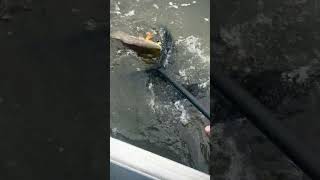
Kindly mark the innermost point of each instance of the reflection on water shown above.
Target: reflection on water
(145, 110)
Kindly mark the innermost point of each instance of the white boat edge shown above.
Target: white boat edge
(149, 164)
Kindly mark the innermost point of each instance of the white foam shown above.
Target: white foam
(185, 5)
(130, 13)
(154, 19)
(173, 5)
(117, 10)
(183, 74)
(152, 99)
(193, 45)
(155, 6)
(184, 117)
(204, 84)
(130, 52)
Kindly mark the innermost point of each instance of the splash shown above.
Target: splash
(155, 6)
(184, 117)
(204, 84)
(173, 5)
(130, 13)
(193, 45)
(116, 10)
(183, 74)
(152, 99)
(185, 4)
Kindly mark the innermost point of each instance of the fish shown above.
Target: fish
(144, 47)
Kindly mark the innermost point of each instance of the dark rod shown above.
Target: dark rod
(266, 122)
(186, 93)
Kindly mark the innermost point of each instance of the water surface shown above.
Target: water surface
(145, 110)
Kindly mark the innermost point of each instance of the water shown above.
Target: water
(271, 48)
(147, 111)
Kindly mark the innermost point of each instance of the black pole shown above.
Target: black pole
(266, 122)
(186, 93)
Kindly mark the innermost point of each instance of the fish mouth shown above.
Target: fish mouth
(161, 58)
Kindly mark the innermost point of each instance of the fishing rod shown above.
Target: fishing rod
(186, 93)
(266, 122)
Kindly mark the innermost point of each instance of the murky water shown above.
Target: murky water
(147, 111)
(271, 48)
